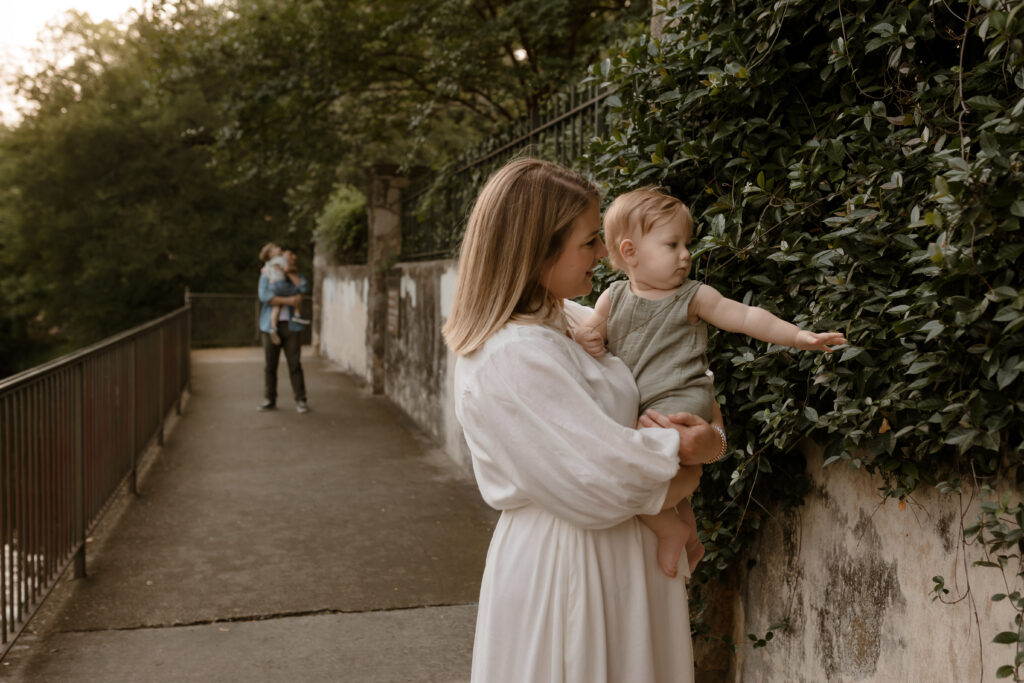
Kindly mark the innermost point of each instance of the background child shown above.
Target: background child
(655, 322)
(275, 268)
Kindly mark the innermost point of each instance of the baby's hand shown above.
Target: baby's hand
(591, 341)
(818, 341)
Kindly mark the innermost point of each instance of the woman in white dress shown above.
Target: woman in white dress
(572, 591)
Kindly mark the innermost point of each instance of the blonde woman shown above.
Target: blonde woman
(571, 592)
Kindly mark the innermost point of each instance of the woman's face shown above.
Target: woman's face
(571, 275)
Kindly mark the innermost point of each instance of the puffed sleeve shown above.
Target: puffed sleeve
(538, 435)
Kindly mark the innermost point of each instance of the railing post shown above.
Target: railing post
(161, 409)
(133, 354)
(188, 348)
(178, 362)
(82, 520)
(5, 515)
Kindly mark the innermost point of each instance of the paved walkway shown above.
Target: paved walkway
(332, 546)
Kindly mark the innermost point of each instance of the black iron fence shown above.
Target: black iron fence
(435, 208)
(71, 432)
(220, 320)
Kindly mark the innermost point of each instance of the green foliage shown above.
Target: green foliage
(341, 228)
(313, 92)
(1000, 532)
(110, 207)
(762, 641)
(162, 154)
(853, 166)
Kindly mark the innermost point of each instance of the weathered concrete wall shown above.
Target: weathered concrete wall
(854, 577)
(343, 328)
(419, 365)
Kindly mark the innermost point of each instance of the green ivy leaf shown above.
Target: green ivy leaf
(934, 328)
(984, 103)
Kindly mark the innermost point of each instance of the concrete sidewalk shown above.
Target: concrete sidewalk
(332, 546)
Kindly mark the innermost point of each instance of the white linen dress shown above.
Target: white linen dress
(571, 591)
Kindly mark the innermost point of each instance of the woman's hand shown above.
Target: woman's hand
(698, 441)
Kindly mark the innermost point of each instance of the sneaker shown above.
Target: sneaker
(301, 407)
(301, 321)
(266, 405)
(275, 337)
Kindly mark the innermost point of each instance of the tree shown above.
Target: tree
(161, 155)
(321, 91)
(112, 207)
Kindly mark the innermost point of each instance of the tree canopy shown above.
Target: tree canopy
(162, 154)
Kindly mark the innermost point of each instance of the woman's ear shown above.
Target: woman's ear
(627, 250)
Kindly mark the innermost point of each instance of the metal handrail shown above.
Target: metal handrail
(232, 319)
(26, 375)
(71, 433)
(560, 131)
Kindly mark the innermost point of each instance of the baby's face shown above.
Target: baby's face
(663, 257)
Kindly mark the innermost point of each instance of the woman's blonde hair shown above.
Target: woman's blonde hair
(517, 228)
(634, 213)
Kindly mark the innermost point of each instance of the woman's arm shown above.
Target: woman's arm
(538, 436)
(699, 442)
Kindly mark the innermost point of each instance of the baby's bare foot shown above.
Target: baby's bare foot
(694, 551)
(669, 550)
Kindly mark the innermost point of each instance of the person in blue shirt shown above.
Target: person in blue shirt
(283, 296)
(275, 268)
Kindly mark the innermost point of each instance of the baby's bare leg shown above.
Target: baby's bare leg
(672, 535)
(275, 311)
(694, 548)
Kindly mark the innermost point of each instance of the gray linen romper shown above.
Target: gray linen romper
(664, 350)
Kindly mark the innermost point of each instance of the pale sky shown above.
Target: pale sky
(22, 20)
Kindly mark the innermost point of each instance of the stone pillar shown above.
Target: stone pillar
(384, 208)
(658, 9)
(321, 262)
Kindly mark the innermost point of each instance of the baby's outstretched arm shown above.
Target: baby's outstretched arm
(726, 314)
(591, 333)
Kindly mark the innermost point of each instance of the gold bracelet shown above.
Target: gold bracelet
(725, 444)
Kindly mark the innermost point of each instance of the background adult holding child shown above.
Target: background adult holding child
(572, 591)
(283, 296)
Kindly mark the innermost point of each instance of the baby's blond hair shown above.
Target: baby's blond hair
(265, 251)
(634, 213)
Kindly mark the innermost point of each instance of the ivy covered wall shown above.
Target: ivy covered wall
(852, 165)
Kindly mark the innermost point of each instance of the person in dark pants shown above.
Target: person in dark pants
(287, 294)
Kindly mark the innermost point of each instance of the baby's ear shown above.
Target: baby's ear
(627, 250)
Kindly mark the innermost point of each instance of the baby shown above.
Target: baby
(655, 322)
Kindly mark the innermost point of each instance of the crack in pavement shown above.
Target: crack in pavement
(262, 617)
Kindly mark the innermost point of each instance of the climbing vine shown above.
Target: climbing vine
(854, 165)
